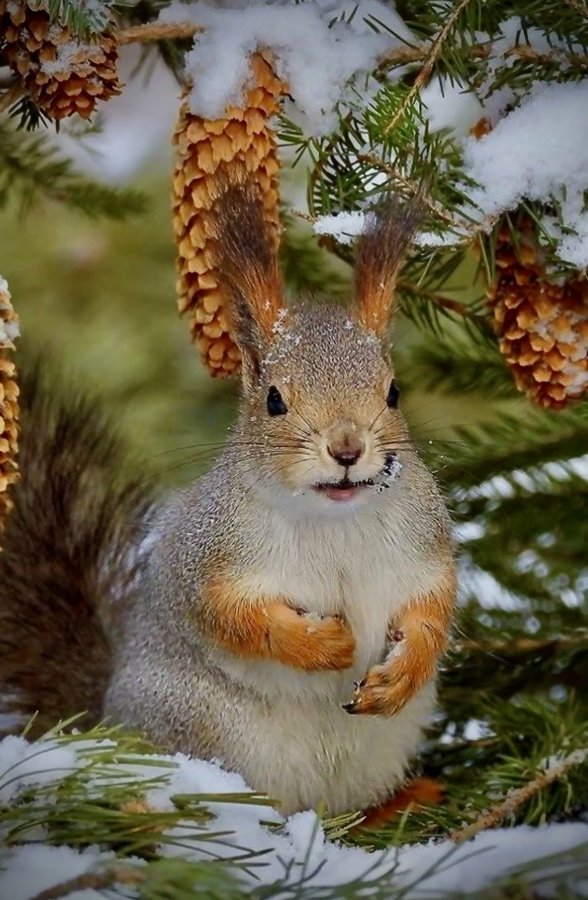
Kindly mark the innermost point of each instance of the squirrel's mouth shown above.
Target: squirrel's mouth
(346, 489)
(342, 490)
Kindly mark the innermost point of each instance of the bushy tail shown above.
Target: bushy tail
(67, 556)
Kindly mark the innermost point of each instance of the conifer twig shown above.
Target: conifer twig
(96, 881)
(430, 60)
(517, 798)
(10, 96)
(578, 7)
(413, 187)
(396, 56)
(523, 645)
(441, 300)
(158, 31)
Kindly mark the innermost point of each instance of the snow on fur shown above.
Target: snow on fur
(431, 869)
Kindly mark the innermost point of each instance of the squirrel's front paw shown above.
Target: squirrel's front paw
(388, 687)
(332, 641)
(311, 642)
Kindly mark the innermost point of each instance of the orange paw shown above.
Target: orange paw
(388, 687)
(309, 642)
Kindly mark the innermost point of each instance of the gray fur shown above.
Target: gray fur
(284, 729)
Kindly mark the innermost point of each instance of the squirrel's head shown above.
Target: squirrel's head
(320, 416)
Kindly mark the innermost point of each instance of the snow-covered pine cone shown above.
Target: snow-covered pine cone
(8, 401)
(62, 74)
(205, 150)
(542, 325)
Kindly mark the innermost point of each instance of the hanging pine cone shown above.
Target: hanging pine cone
(8, 401)
(62, 74)
(542, 325)
(205, 150)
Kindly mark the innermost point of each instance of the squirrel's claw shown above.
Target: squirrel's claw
(384, 690)
(373, 695)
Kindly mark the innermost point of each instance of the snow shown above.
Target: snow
(67, 54)
(9, 326)
(537, 147)
(538, 150)
(297, 847)
(32, 869)
(449, 104)
(344, 226)
(321, 49)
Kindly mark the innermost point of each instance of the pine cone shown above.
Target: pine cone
(62, 74)
(205, 150)
(542, 325)
(8, 401)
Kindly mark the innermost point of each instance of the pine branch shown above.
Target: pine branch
(578, 6)
(515, 444)
(82, 18)
(455, 367)
(158, 31)
(516, 799)
(409, 186)
(95, 881)
(30, 168)
(426, 54)
(10, 96)
(429, 63)
(517, 647)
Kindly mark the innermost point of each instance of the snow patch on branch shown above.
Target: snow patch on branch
(344, 226)
(539, 151)
(322, 50)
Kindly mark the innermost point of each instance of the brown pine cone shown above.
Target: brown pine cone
(62, 74)
(542, 325)
(207, 149)
(8, 401)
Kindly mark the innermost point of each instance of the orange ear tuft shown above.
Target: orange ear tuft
(380, 252)
(248, 260)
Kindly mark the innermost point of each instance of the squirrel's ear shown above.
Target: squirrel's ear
(248, 267)
(389, 231)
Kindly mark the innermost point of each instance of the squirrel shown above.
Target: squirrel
(285, 615)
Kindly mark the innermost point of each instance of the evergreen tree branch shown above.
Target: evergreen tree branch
(411, 186)
(516, 799)
(94, 881)
(158, 31)
(30, 167)
(426, 53)
(10, 96)
(456, 367)
(429, 64)
(446, 303)
(513, 648)
(578, 7)
(514, 444)
(82, 19)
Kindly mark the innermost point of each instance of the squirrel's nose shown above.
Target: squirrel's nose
(346, 455)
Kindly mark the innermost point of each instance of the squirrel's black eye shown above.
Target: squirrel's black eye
(275, 404)
(393, 395)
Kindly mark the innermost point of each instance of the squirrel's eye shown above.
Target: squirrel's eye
(393, 395)
(275, 404)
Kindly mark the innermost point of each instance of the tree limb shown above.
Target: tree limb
(515, 799)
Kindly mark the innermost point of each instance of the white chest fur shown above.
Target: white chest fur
(363, 566)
